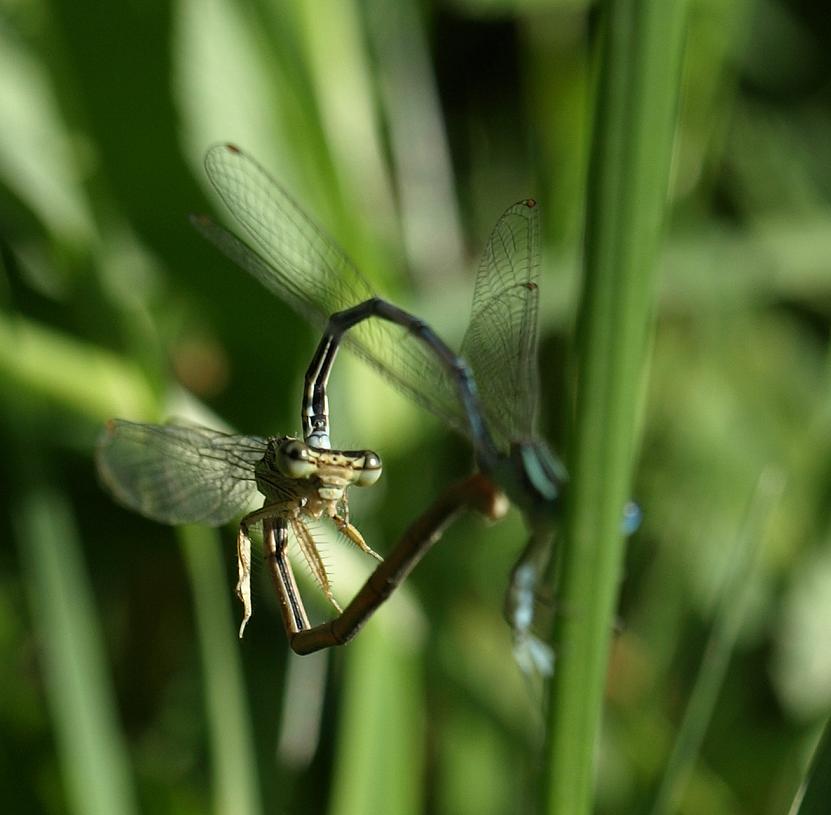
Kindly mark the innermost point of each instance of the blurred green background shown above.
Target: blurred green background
(406, 128)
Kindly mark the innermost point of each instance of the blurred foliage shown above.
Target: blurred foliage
(406, 129)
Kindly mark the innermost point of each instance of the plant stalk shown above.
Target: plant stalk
(634, 127)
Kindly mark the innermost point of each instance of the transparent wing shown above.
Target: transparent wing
(302, 265)
(179, 474)
(501, 341)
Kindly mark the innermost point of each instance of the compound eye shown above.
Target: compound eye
(294, 461)
(371, 470)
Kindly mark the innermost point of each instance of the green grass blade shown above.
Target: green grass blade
(232, 745)
(91, 750)
(738, 589)
(379, 759)
(814, 796)
(628, 178)
(62, 369)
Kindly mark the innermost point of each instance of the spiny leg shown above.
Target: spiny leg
(310, 551)
(343, 507)
(355, 536)
(244, 574)
(243, 588)
(275, 542)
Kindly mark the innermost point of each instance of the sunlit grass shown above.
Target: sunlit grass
(93, 754)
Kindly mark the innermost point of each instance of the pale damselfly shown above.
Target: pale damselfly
(182, 473)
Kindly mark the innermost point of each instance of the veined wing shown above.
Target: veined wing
(302, 265)
(179, 474)
(501, 341)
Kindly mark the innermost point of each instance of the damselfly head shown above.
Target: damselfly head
(296, 460)
(318, 479)
(336, 471)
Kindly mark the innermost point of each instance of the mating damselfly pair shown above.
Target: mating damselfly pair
(179, 473)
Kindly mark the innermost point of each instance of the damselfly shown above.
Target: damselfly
(301, 264)
(179, 474)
